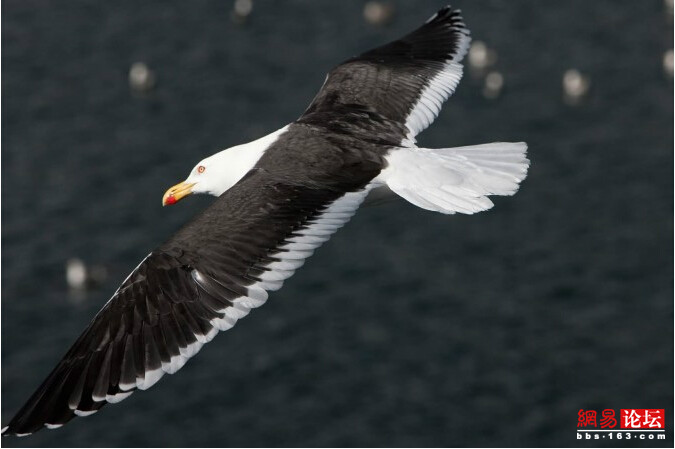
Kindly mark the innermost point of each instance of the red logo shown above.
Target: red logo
(608, 419)
(631, 423)
(587, 418)
(642, 418)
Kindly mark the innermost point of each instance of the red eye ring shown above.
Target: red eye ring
(201, 169)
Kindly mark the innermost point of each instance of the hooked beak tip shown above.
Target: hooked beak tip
(176, 193)
(169, 200)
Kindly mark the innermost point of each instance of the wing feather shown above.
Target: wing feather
(402, 84)
(209, 275)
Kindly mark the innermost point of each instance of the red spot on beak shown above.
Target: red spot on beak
(171, 199)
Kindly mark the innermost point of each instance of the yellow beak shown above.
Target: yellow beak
(177, 193)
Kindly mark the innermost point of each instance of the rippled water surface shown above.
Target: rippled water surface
(407, 328)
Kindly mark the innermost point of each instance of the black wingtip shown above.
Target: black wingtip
(447, 17)
(6, 432)
(443, 14)
(10, 430)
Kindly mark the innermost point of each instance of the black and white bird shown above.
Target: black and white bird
(279, 198)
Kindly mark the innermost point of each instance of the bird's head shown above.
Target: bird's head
(214, 174)
(218, 172)
(203, 178)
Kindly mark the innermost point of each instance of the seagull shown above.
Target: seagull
(279, 198)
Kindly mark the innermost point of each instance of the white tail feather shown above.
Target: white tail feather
(450, 180)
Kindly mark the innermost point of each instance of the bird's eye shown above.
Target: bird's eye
(201, 169)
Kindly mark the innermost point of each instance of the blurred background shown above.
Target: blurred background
(408, 328)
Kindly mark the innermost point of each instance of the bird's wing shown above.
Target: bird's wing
(205, 278)
(405, 81)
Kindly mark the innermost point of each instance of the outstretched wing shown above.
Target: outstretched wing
(405, 81)
(209, 275)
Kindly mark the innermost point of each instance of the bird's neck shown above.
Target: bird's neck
(235, 162)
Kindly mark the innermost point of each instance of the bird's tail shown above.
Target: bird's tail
(450, 180)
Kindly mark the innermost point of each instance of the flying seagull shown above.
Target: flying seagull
(279, 198)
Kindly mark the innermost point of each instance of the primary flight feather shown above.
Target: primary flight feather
(280, 197)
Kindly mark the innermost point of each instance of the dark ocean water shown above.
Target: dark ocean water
(408, 328)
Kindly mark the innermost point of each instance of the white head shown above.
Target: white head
(219, 172)
(213, 175)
